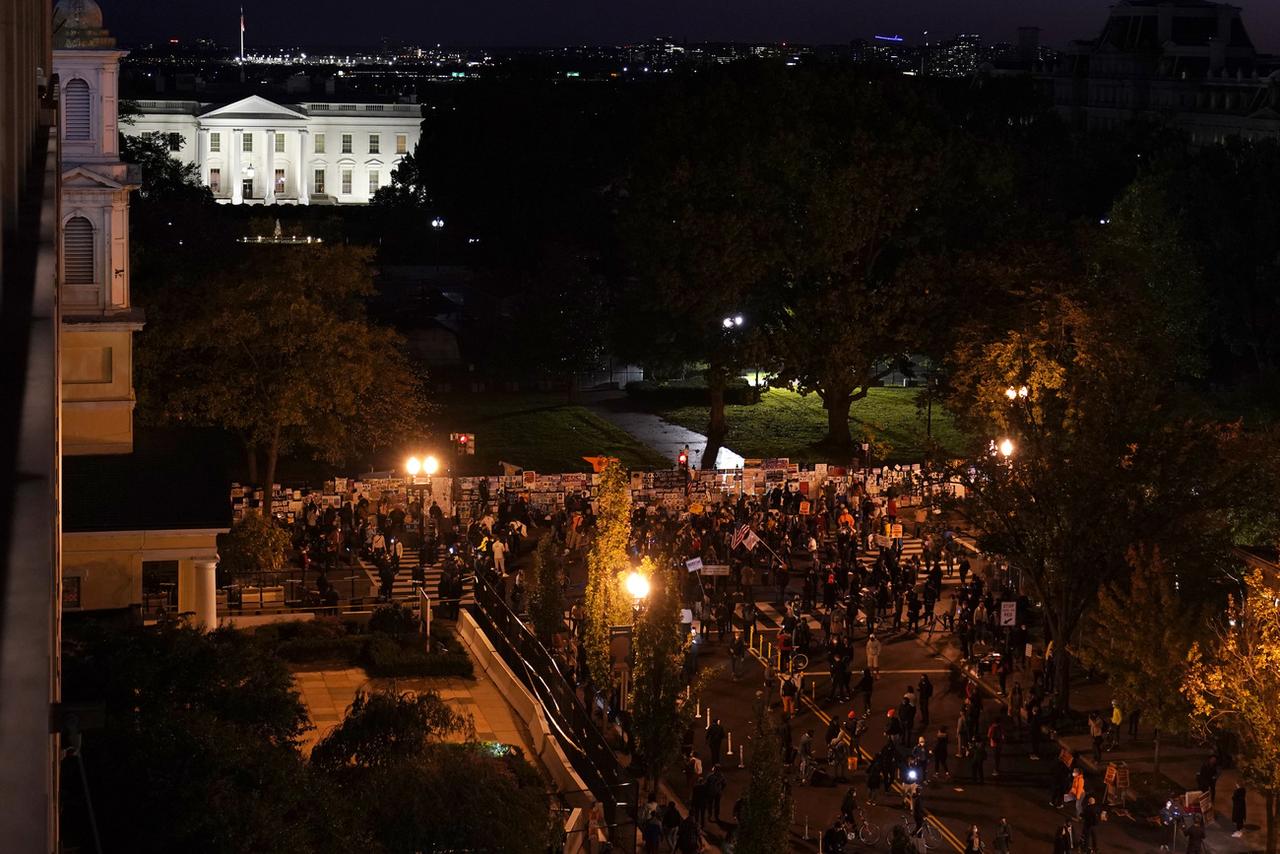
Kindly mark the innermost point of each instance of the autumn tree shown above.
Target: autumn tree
(1233, 683)
(605, 602)
(1139, 636)
(765, 821)
(662, 710)
(546, 590)
(274, 346)
(1075, 379)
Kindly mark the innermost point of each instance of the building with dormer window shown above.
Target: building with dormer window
(257, 152)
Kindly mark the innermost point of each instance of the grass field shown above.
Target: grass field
(786, 424)
(538, 432)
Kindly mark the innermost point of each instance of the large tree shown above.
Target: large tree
(546, 590)
(1107, 452)
(274, 346)
(1233, 683)
(1139, 637)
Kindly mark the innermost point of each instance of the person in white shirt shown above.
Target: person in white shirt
(500, 556)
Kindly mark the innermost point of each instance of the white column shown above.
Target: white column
(269, 194)
(202, 154)
(237, 184)
(198, 592)
(304, 191)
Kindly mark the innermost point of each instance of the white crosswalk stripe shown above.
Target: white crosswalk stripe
(404, 586)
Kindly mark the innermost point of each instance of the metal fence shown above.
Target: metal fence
(608, 780)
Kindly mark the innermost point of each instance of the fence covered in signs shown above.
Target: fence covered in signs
(673, 489)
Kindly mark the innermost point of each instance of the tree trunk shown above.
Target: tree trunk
(1272, 804)
(716, 428)
(269, 472)
(836, 399)
(251, 457)
(1155, 760)
(1062, 677)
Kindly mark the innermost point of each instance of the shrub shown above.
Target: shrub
(690, 393)
(384, 656)
(393, 620)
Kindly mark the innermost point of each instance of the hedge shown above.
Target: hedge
(386, 656)
(738, 393)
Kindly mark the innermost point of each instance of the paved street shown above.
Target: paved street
(1019, 792)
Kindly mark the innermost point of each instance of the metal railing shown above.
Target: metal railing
(607, 779)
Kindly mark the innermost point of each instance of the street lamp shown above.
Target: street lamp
(413, 466)
(437, 222)
(430, 465)
(1006, 447)
(1015, 393)
(637, 586)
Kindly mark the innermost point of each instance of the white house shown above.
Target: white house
(258, 152)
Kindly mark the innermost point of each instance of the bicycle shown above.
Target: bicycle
(862, 830)
(799, 662)
(926, 831)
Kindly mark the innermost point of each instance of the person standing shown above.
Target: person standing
(1063, 843)
(715, 741)
(973, 841)
(924, 692)
(1004, 837)
(1195, 836)
(500, 557)
(1089, 817)
(1238, 809)
(995, 741)
(1077, 791)
(1207, 778)
(978, 755)
(873, 653)
(940, 747)
(865, 686)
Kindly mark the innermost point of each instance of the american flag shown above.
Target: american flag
(752, 541)
(739, 535)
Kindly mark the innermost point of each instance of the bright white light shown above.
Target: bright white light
(437, 222)
(1006, 448)
(1022, 391)
(728, 322)
(1011, 392)
(737, 320)
(637, 585)
(431, 465)
(413, 465)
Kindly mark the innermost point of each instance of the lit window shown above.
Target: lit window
(346, 143)
(319, 143)
(346, 182)
(319, 181)
(279, 143)
(373, 181)
(402, 143)
(375, 143)
(247, 143)
(279, 181)
(215, 142)
(215, 181)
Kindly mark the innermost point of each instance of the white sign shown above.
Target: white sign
(716, 569)
(693, 564)
(1008, 613)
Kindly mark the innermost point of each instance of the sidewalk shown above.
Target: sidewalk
(662, 436)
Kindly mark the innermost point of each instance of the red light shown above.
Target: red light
(462, 439)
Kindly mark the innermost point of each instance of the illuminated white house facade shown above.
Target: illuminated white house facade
(258, 152)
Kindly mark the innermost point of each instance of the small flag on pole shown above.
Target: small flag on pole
(739, 535)
(751, 541)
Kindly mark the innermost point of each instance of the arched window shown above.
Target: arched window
(77, 252)
(75, 109)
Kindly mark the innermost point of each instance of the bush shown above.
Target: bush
(393, 620)
(690, 393)
(385, 656)
(309, 650)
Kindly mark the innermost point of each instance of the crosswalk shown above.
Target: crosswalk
(769, 615)
(404, 586)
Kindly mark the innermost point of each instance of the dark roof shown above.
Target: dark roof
(174, 479)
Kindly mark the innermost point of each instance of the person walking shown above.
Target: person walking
(978, 755)
(715, 741)
(1095, 732)
(940, 753)
(995, 741)
(1077, 791)
(865, 686)
(924, 692)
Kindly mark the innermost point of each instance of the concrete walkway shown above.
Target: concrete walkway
(662, 436)
(327, 695)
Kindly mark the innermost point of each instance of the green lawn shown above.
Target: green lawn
(786, 424)
(538, 432)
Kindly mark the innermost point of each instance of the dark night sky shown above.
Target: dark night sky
(557, 22)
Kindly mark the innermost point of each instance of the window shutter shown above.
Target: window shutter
(77, 252)
(76, 110)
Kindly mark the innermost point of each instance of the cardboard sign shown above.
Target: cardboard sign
(716, 569)
(805, 509)
(896, 533)
(693, 564)
(1008, 613)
